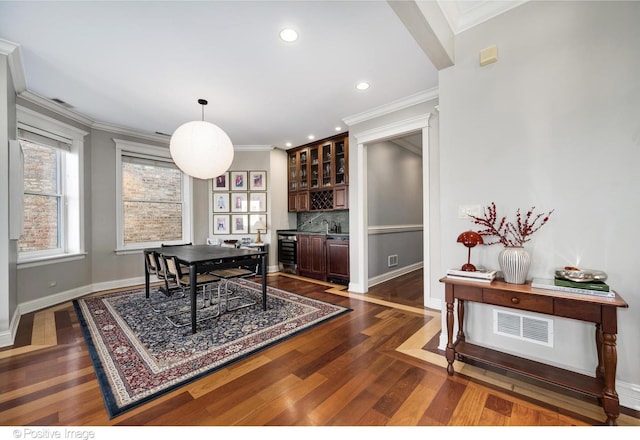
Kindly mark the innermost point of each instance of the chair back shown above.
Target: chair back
(152, 263)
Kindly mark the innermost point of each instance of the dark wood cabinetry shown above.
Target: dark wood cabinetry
(318, 175)
(337, 260)
(323, 258)
(312, 256)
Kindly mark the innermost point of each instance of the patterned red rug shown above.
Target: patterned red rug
(138, 354)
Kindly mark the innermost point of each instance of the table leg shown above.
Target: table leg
(193, 290)
(610, 401)
(450, 350)
(146, 276)
(263, 267)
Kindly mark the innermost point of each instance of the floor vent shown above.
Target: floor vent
(523, 327)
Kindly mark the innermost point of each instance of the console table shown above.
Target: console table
(599, 310)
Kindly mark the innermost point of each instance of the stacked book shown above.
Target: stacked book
(478, 276)
(595, 288)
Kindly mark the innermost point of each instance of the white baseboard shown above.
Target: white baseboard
(8, 336)
(394, 274)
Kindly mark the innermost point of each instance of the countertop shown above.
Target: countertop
(329, 235)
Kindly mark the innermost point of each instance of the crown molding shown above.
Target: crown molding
(14, 57)
(253, 147)
(470, 14)
(48, 104)
(154, 137)
(392, 107)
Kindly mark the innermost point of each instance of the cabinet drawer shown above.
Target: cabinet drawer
(517, 300)
(468, 293)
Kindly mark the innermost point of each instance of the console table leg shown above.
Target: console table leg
(450, 351)
(610, 400)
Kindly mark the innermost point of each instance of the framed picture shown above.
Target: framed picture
(238, 180)
(257, 180)
(257, 221)
(239, 202)
(221, 202)
(239, 224)
(221, 183)
(221, 224)
(258, 202)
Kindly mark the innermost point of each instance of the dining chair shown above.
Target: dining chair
(226, 298)
(204, 280)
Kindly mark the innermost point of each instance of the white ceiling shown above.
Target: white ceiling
(143, 65)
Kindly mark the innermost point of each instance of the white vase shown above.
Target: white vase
(514, 263)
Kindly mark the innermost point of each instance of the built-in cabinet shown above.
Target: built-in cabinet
(312, 256)
(319, 175)
(337, 260)
(323, 258)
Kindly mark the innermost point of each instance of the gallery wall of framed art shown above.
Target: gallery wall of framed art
(238, 203)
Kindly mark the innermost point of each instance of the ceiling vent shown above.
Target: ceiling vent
(523, 327)
(61, 102)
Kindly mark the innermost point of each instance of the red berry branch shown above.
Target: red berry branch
(508, 233)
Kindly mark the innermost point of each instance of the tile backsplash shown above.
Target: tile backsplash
(313, 221)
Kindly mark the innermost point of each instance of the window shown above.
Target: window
(52, 202)
(153, 198)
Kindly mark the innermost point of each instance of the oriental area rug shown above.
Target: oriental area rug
(139, 355)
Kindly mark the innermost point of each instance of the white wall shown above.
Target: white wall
(554, 123)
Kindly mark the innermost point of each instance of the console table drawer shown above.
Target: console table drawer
(518, 300)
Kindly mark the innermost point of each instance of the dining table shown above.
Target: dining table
(205, 258)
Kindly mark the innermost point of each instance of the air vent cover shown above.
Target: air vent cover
(523, 327)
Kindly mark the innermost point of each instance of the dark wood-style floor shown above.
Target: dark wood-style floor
(376, 365)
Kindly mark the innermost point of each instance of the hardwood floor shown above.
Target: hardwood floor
(376, 365)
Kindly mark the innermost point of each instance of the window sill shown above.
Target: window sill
(52, 259)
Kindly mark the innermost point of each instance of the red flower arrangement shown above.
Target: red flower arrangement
(508, 233)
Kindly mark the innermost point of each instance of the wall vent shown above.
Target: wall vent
(523, 327)
(392, 260)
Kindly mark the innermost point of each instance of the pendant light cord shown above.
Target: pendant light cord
(202, 102)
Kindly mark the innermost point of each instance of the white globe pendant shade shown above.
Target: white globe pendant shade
(201, 149)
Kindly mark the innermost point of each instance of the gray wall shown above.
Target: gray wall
(394, 191)
(555, 124)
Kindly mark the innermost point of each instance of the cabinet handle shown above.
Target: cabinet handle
(515, 300)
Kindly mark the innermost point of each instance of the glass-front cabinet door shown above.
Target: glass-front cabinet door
(327, 164)
(340, 166)
(293, 172)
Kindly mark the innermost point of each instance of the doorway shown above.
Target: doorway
(359, 217)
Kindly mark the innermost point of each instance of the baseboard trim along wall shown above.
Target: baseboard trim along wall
(394, 273)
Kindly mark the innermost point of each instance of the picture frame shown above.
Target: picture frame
(257, 180)
(221, 224)
(258, 202)
(238, 180)
(239, 224)
(221, 202)
(256, 219)
(239, 202)
(221, 183)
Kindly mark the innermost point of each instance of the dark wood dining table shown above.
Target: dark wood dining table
(205, 258)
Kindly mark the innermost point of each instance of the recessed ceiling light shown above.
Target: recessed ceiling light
(288, 144)
(311, 137)
(338, 128)
(289, 35)
(362, 85)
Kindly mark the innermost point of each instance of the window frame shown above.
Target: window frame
(145, 151)
(71, 221)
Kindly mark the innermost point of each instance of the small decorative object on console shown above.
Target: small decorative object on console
(469, 239)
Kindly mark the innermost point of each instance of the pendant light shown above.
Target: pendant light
(201, 149)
